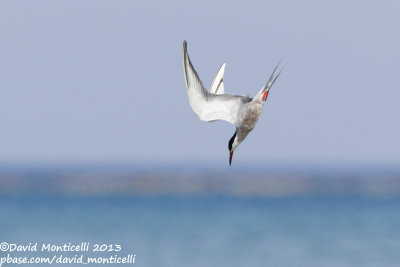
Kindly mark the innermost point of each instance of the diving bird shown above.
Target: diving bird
(241, 111)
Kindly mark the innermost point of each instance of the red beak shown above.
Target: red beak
(230, 157)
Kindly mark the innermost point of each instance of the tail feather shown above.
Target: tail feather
(271, 80)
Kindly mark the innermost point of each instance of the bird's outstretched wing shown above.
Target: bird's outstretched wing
(217, 86)
(209, 106)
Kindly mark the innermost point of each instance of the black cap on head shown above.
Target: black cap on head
(231, 142)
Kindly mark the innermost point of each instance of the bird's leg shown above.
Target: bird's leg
(265, 95)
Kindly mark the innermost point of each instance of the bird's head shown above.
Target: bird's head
(232, 145)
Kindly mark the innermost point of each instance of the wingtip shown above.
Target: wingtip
(185, 53)
(223, 66)
(185, 62)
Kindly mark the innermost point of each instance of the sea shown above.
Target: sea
(198, 231)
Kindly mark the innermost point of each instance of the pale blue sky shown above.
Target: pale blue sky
(103, 80)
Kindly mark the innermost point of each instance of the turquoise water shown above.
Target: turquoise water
(213, 231)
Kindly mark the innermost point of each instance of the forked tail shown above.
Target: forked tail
(265, 90)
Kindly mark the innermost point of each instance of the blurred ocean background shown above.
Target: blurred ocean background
(99, 144)
(191, 216)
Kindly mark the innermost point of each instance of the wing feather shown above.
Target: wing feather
(208, 106)
(217, 86)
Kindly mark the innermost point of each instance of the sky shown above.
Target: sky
(103, 80)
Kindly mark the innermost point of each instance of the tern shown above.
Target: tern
(242, 111)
